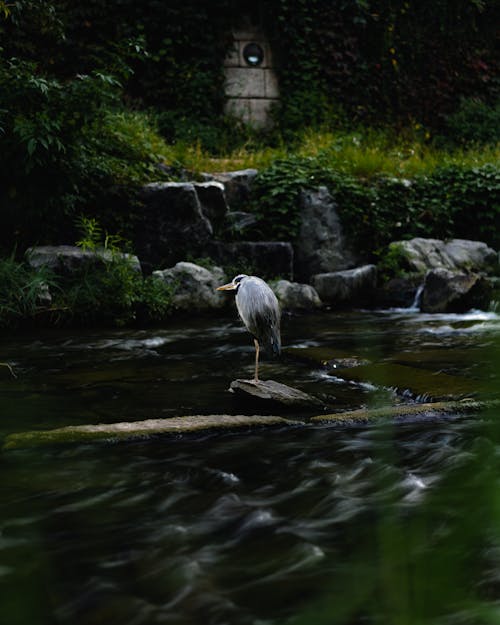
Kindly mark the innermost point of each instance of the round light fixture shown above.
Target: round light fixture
(253, 54)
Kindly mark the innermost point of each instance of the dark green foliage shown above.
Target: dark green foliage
(66, 148)
(474, 122)
(374, 59)
(21, 289)
(453, 201)
(220, 136)
(276, 197)
(71, 73)
(113, 294)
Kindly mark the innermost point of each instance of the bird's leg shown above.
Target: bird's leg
(256, 376)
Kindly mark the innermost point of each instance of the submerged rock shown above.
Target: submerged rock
(271, 394)
(195, 286)
(409, 379)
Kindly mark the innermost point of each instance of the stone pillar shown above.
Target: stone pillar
(251, 82)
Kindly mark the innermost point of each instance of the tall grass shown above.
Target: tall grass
(365, 153)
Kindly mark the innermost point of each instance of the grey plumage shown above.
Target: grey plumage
(259, 310)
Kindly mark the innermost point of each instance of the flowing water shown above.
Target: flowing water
(391, 522)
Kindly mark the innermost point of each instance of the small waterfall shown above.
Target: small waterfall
(416, 301)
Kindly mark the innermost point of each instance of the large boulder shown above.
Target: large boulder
(172, 225)
(452, 291)
(65, 260)
(295, 296)
(194, 286)
(238, 186)
(354, 287)
(267, 259)
(320, 246)
(455, 255)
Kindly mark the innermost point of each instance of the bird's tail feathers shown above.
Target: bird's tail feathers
(275, 346)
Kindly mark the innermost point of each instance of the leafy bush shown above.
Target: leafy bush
(21, 291)
(474, 122)
(113, 291)
(67, 148)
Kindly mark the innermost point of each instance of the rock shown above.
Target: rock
(455, 255)
(44, 296)
(239, 221)
(324, 357)
(195, 286)
(295, 296)
(173, 426)
(264, 259)
(408, 379)
(399, 292)
(420, 411)
(67, 259)
(452, 291)
(350, 287)
(238, 186)
(271, 394)
(320, 245)
(177, 427)
(172, 225)
(213, 203)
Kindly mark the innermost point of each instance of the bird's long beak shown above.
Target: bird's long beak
(230, 286)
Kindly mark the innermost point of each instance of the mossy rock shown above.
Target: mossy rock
(180, 426)
(141, 429)
(406, 412)
(325, 356)
(420, 382)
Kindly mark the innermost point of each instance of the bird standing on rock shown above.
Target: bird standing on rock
(260, 312)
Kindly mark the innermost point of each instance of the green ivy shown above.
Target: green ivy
(453, 201)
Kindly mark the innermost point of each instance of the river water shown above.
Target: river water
(389, 522)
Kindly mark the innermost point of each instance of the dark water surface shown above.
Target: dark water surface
(382, 523)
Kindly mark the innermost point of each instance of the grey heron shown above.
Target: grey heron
(260, 312)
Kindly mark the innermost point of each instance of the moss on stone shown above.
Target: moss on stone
(400, 411)
(140, 429)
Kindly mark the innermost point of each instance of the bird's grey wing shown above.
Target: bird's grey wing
(260, 312)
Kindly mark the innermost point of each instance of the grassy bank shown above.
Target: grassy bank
(388, 185)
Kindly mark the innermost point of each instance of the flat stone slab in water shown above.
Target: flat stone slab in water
(177, 426)
(141, 429)
(407, 411)
(274, 393)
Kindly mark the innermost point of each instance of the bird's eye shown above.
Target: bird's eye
(238, 279)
